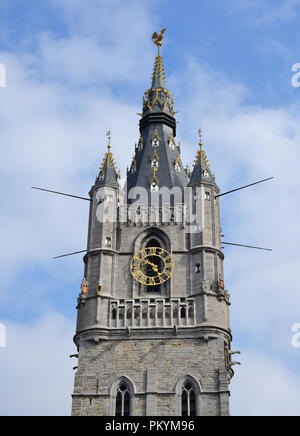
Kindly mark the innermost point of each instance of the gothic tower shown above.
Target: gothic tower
(153, 333)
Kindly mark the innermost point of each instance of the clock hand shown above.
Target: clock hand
(154, 267)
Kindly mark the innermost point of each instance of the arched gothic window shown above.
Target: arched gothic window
(197, 268)
(123, 400)
(172, 142)
(155, 142)
(140, 144)
(153, 238)
(177, 167)
(191, 311)
(207, 196)
(188, 399)
(153, 261)
(154, 163)
(154, 187)
(188, 392)
(182, 312)
(114, 313)
(172, 145)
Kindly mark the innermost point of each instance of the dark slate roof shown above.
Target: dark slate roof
(108, 173)
(201, 172)
(141, 171)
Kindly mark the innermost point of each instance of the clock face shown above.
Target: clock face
(152, 266)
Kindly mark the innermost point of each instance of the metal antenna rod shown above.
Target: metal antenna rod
(243, 187)
(247, 246)
(61, 193)
(69, 254)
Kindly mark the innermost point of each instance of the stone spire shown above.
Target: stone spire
(108, 174)
(201, 172)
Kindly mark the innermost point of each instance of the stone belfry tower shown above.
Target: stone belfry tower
(153, 332)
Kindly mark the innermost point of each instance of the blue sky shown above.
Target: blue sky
(74, 71)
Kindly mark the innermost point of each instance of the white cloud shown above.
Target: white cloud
(104, 40)
(264, 387)
(36, 374)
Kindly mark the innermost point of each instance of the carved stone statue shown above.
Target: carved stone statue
(84, 286)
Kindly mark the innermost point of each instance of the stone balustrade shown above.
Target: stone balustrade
(147, 313)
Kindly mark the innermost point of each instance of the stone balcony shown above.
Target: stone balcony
(148, 313)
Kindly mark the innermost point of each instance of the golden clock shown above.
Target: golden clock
(152, 266)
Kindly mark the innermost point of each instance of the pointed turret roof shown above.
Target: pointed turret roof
(201, 172)
(108, 174)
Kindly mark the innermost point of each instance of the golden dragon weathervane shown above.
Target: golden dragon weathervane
(157, 39)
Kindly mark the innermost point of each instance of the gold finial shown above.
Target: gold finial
(201, 155)
(157, 39)
(108, 134)
(177, 160)
(155, 135)
(154, 177)
(200, 136)
(154, 155)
